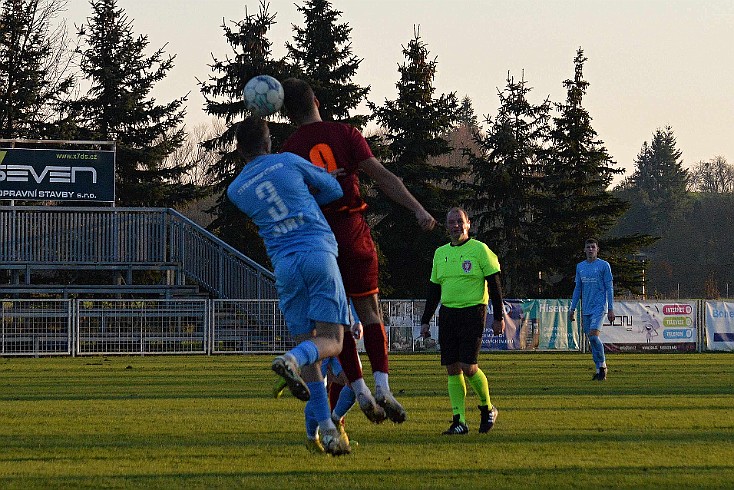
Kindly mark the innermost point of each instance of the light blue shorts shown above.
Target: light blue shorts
(310, 290)
(592, 322)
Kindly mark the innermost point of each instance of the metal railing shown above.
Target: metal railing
(141, 327)
(38, 237)
(39, 234)
(220, 268)
(36, 327)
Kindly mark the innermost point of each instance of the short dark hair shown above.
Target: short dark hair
(591, 240)
(298, 98)
(458, 209)
(251, 134)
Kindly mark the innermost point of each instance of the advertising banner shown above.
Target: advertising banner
(517, 326)
(533, 324)
(542, 325)
(651, 327)
(57, 175)
(719, 325)
(556, 332)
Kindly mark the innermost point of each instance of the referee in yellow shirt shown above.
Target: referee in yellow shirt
(461, 272)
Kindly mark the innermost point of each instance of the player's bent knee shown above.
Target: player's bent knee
(330, 331)
(330, 337)
(469, 370)
(453, 369)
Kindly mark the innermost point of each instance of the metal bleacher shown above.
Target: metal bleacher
(93, 252)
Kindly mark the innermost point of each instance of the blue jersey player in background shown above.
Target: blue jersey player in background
(282, 194)
(595, 288)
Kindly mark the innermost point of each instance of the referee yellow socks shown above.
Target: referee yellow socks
(479, 384)
(457, 396)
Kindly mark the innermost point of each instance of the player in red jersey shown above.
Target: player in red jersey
(343, 151)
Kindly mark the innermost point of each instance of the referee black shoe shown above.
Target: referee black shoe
(489, 417)
(457, 428)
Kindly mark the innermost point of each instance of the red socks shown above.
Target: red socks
(349, 358)
(335, 389)
(375, 343)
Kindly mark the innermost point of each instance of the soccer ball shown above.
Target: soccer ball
(263, 95)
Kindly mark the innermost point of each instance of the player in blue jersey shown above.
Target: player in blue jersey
(282, 193)
(595, 289)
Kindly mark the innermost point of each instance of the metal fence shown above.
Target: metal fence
(32, 327)
(161, 326)
(48, 234)
(141, 326)
(248, 326)
(36, 327)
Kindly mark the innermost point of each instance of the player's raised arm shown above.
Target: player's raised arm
(393, 187)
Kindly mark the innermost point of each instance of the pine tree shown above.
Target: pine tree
(414, 126)
(659, 167)
(577, 204)
(507, 176)
(34, 69)
(323, 53)
(251, 55)
(658, 195)
(658, 188)
(119, 106)
(466, 114)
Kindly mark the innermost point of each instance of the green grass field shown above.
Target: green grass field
(659, 421)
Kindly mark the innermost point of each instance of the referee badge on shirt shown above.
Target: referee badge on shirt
(466, 265)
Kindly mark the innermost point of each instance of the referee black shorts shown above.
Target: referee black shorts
(460, 333)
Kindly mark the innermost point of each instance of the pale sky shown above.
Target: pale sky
(651, 63)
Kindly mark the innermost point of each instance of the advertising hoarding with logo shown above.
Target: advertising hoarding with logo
(720, 325)
(57, 175)
(533, 324)
(651, 327)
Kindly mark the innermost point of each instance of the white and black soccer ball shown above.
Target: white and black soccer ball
(263, 95)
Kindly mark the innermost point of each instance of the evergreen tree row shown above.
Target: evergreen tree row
(536, 190)
(39, 93)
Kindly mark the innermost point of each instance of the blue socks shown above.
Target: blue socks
(345, 402)
(305, 353)
(312, 424)
(317, 406)
(597, 350)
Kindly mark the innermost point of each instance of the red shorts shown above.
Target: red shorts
(357, 254)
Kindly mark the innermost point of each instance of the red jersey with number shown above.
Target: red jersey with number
(333, 145)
